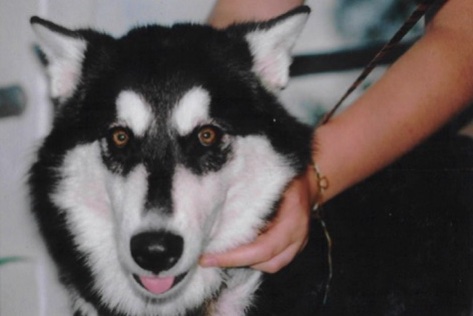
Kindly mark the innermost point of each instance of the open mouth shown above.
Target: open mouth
(158, 285)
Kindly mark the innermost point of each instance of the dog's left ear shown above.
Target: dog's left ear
(64, 50)
(271, 45)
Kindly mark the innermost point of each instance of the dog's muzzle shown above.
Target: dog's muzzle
(157, 252)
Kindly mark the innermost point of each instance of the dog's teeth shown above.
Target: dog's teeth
(157, 285)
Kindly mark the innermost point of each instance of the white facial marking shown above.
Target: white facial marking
(213, 212)
(221, 210)
(133, 110)
(102, 211)
(257, 177)
(191, 111)
(197, 201)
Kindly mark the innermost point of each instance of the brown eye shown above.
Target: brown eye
(208, 135)
(120, 137)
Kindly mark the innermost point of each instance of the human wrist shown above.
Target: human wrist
(319, 184)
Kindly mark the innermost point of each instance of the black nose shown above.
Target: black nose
(156, 251)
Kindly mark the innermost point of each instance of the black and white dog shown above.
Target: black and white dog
(170, 141)
(167, 142)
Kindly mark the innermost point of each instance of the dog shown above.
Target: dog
(167, 142)
(170, 142)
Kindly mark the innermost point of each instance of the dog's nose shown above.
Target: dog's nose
(156, 251)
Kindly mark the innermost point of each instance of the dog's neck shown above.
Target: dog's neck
(236, 293)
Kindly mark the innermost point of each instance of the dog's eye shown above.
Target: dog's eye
(120, 137)
(208, 135)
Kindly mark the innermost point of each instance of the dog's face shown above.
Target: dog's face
(168, 142)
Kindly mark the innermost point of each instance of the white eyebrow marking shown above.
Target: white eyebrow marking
(134, 111)
(191, 111)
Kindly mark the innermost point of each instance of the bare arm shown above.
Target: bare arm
(425, 88)
(226, 12)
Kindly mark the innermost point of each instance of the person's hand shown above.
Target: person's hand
(282, 239)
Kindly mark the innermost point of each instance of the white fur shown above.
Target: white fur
(83, 195)
(238, 295)
(271, 49)
(79, 304)
(224, 209)
(257, 178)
(134, 112)
(65, 55)
(213, 213)
(101, 225)
(192, 110)
(103, 211)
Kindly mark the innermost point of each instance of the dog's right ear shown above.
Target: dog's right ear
(271, 43)
(64, 50)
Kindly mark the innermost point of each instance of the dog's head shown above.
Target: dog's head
(168, 142)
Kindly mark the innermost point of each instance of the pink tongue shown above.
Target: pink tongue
(157, 285)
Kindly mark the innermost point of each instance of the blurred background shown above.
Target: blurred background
(339, 29)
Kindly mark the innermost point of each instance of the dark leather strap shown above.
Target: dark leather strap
(420, 10)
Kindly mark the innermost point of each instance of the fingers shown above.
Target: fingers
(284, 237)
(258, 251)
(269, 252)
(282, 259)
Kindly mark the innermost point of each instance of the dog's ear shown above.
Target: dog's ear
(64, 51)
(271, 45)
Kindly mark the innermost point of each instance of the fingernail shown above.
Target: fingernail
(208, 262)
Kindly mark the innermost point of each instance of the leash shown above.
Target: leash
(419, 12)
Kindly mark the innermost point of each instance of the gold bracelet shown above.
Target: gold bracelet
(322, 183)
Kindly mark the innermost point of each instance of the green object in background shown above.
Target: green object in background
(12, 101)
(6, 260)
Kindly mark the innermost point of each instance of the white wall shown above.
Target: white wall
(28, 287)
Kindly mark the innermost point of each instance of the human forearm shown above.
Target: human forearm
(419, 93)
(227, 12)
